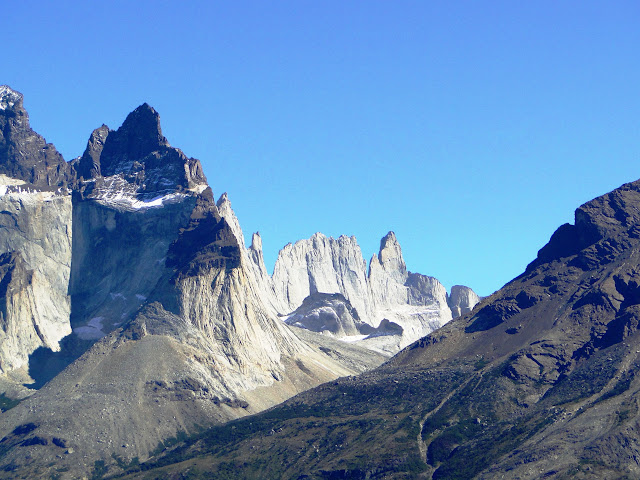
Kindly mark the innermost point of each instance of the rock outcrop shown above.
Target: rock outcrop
(462, 300)
(331, 313)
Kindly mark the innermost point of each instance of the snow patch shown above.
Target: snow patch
(140, 297)
(117, 295)
(6, 180)
(8, 97)
(28, 194)
(353, 338)
(115, 191)
(199, 188)
(121, 199)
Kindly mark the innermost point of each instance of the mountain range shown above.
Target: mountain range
(133, 314)
(142, 339)
(538, 381)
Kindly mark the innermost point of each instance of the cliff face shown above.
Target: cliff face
(416, 304)
(321, 264)
(35, 238)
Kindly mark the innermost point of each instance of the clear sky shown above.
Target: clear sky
(471, 129)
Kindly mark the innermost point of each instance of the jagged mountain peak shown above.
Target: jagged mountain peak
(256, 242)
(389, 246)
(10, 99)
(139, 136)
(224, 198)
(390, 257)
(135, 166)
(144, 122)
(224, 208)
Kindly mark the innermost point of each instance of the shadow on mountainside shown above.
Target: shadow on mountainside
(44, 363)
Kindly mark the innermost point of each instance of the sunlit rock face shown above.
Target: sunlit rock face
(462, 300)
(35, 241)
(322, 264)
(415, 304)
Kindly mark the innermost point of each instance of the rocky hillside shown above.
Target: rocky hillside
(539, 381)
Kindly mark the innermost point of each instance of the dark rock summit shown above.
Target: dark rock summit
(139, 136)
(88, 166)
(136, 160)
(603, 228)
(24, 154)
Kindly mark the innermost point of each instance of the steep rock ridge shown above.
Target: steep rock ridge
(462, 300)
(88, 166)
(217, 293)
(257, 258)
(415, 303)
(35, 238)
(540, 380)
(252, 259)
(24, 154)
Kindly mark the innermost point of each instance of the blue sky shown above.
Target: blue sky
(471, 129)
